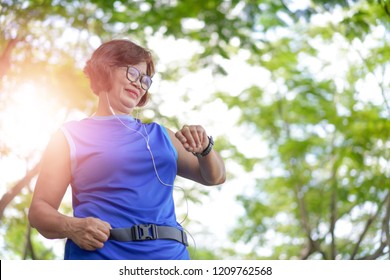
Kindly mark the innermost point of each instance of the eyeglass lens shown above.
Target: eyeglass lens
(133, 75)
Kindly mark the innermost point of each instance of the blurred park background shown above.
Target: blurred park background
(296, 93)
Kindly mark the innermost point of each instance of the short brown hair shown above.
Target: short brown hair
(116, 53)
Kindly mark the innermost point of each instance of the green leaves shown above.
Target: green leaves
(321, 108)
(327, 160)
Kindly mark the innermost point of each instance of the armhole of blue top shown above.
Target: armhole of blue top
(169, 139)
(72, 148)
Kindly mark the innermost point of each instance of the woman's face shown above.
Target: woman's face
(124, 94)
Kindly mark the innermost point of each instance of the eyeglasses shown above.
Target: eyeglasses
(133, 75)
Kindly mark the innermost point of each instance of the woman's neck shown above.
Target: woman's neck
(105, 109)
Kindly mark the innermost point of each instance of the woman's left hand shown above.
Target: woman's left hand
(193, 138)
(207, 170)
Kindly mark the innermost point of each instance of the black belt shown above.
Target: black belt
(148, 232)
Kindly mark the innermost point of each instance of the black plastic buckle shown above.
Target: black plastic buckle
(144, 232)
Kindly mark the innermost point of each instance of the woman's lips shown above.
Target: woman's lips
(132, 92)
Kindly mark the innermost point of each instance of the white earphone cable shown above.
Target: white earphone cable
(147, 138)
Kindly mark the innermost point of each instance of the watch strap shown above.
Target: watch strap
(207, 150)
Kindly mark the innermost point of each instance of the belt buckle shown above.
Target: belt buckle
(144, 232)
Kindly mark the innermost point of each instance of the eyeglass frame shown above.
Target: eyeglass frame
(140, 77)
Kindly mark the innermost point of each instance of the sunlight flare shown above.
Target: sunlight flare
(28, 119)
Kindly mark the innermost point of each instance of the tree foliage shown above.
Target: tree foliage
(326, 192)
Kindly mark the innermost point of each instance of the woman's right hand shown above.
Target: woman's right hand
(88, 233)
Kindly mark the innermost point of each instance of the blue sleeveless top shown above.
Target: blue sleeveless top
(114, 179)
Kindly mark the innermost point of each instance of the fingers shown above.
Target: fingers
(193, 138)
(91, 233)
(95, 241)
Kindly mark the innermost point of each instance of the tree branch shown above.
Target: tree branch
(386, 223)
(14, 191)
(385, 230)
(312, 245)
(333, 214)
(366, 228)
(5, 57)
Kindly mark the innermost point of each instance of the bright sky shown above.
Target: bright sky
(29, 120)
